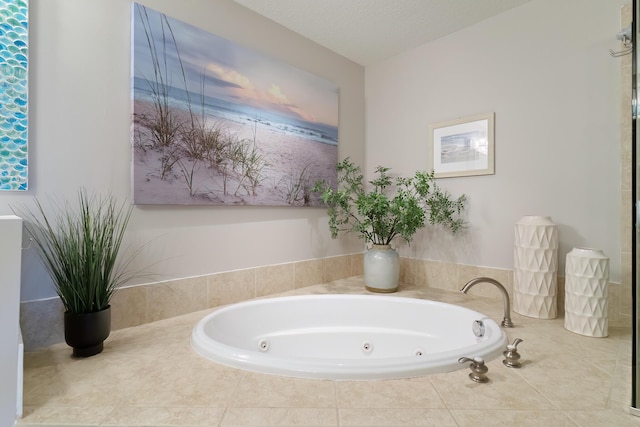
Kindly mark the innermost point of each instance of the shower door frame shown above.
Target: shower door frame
(635, 203)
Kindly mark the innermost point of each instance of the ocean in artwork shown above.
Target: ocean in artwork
(242, 114)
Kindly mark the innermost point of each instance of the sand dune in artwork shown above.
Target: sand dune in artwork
(288, 163)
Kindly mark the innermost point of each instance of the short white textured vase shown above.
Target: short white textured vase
(535, 267)
(587, 292)
(381, 269)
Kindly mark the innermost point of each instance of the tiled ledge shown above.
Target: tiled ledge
(42, 325)
(41, 321)
(452, 277)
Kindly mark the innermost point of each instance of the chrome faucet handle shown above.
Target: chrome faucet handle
(478, 368)
(511, 355)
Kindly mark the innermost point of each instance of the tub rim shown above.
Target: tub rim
(342, 369)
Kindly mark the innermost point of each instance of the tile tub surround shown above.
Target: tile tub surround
(42, 325)
(41, 321)
(148, 375)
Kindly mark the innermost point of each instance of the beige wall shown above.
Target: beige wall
(544, 69)
(79, 136)
(556, 95)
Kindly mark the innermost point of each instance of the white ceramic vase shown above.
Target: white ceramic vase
(535, 272)
(587, 292)
(381, 269)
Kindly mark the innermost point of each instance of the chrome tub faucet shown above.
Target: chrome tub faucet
(511, 355)
(506, 322)
(478, 368)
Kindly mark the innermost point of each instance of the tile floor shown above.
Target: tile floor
(148, 375)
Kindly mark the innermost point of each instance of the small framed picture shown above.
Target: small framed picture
(462, 147)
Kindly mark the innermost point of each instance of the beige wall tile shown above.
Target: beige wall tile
(627, 273)
(337, 267)
(625, 321)
(408, 271)
(561, 295)
(434, 274)
(613, 304)
(274, 279)
(230, 287)
(428, 274)
(147, 303)
(308, 273)
(170, 299)
(129, 307)
(620, 297)
(626, 163)
(444, 275)
(357, 264)
(626, 298)
(626, 301)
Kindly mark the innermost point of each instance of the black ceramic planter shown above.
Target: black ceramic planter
(86, 332)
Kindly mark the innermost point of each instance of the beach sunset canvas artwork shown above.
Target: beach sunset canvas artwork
(217, 123)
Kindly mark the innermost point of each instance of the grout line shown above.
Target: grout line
(444, 402)
(241, 377)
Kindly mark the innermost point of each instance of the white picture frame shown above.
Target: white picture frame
(463, 146)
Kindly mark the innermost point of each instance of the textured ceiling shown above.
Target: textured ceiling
(368, 31)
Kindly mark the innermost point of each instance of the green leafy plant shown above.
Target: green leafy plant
(79, 246)
(387, 207)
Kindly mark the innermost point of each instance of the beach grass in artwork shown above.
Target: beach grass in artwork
(217, 123)
(13, 94)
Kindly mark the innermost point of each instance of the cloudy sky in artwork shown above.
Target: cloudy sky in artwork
(229, 71)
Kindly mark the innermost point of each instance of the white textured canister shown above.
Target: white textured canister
(587, 292)
(535, 267)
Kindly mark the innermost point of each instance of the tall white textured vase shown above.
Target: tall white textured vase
(535, 272)
(587, 292)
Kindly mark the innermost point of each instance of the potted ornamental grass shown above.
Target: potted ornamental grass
(383, 209)
(80, 245)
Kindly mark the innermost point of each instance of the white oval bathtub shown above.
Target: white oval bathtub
(345, 337)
